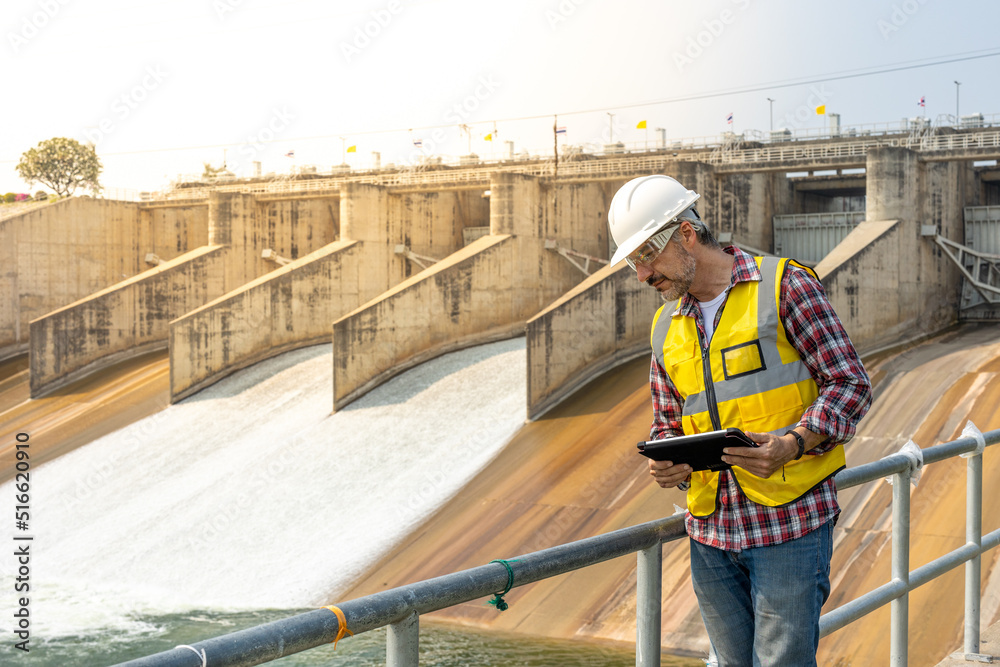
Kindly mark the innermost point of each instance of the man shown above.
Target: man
(752, 343)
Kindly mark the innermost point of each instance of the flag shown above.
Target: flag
(290, 153)
(641, 125)
(729, 118)
(821, 110)
(419, 143)
(488, 137)
(561, 130)
(921, 102)
(352, 149)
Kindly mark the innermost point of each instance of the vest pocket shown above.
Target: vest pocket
(771, 410)
(742, 359)
(683, 364)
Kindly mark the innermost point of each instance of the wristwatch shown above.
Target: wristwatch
(801, 442)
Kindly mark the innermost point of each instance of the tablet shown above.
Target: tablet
(702, 451)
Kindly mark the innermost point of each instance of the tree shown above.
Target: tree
(61, 164)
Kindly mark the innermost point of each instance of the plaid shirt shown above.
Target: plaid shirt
(844, 397)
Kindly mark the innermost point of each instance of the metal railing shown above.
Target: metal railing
(851, 149)
(400, 608)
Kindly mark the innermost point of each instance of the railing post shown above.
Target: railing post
(402, 642)
(973, 535)
(649, 583)
(900, 607)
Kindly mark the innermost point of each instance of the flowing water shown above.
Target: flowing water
(249, 502)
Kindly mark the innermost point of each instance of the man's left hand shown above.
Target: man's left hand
(773, 452)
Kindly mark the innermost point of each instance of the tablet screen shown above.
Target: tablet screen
(702, 451)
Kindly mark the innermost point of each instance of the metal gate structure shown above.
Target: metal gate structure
(809, 237)
(980, 261)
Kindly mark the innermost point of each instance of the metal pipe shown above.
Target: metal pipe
(271, 641)
(315, 628)
(942, 564)
(649, 584)
(857, 608)
(973, 535)
(402, 642)
(900, 607)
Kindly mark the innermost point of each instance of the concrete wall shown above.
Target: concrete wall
(297, 227)
(886, 281)
(288, 308)
(742, 204)
(173, 230)
(602, 322)
(124, 320)
(468, 298)
(392, 333)
(132, 316)
(60, 253)
(431, 223)
(295, 305)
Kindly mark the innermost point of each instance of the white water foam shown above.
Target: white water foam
(251, 494)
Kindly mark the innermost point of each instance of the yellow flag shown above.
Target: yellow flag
(352, 149)
(641, 125)
(821, 110)
(488, 137)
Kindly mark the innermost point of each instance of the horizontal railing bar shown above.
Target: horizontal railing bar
(270, 641)
(942, 564)
(881, 596)
(869, 472)
(855, 609)
(953, 559)
(274, 640)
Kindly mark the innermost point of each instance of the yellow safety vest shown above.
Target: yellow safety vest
(751, 378)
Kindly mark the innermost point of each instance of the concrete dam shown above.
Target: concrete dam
(149, 303)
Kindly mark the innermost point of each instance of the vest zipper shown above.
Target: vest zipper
(706, 369)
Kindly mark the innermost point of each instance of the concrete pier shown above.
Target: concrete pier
(886, 280)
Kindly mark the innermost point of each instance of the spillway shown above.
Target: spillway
(251, 495)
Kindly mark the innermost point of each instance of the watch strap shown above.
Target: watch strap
(801, 443)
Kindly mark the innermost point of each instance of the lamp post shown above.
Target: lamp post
(772, 113)
(611, 129)
(957, 120)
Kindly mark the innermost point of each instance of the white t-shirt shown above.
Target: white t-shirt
(709, 310)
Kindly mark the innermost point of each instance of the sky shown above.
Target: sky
(163, 87)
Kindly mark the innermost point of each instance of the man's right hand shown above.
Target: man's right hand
(667, 475)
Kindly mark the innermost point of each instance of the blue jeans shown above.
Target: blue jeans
(761, 606)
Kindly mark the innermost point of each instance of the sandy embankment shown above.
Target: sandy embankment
(83, 411)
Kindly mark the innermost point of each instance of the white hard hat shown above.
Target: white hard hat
(642, 207)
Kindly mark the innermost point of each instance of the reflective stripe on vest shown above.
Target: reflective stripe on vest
(755, 380)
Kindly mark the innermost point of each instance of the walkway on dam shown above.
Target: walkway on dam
(989, 641)
(573, 474)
